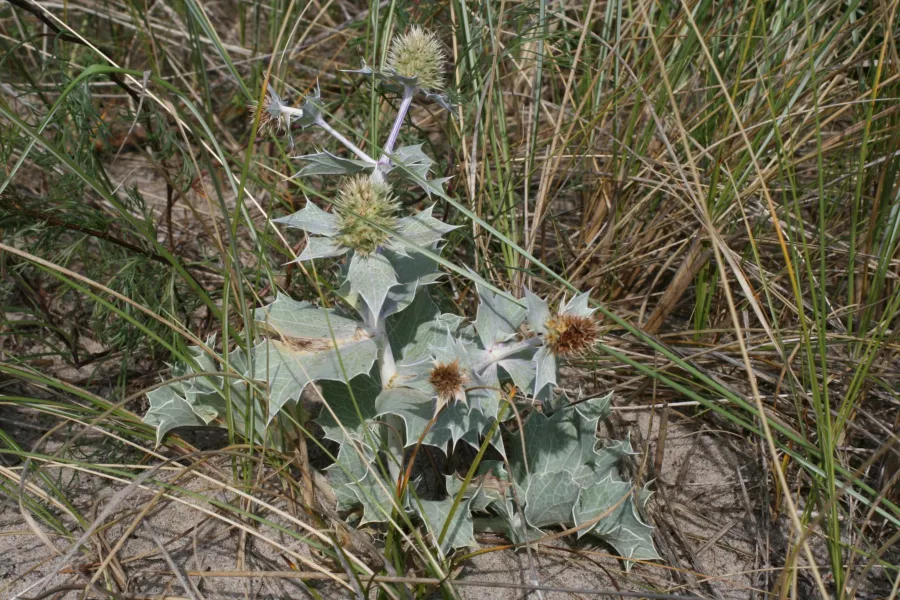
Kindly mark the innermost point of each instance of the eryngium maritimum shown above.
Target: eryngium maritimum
(569, 335)
(272, 117)
(418, 54)
(367, 209)
(448, 382)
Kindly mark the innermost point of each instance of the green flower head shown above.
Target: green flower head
(418, 55)
(367, 209)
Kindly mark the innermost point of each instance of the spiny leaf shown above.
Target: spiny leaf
(413, 158)
(344, 403)
(288, 369)
(545, 369)
(413, 331)
(311, 219)
(498, 317)
(357, 482)
(416, 409)
(538, 312)
(550, 498)
(460, 533)
(371, 277)
(563, 441)
(326, 163)
(623, 528)
(169, 410)
(303, 320)
(422, 230)
(321, 247)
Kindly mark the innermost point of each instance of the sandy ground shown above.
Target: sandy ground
(707, 508)
(715, 529)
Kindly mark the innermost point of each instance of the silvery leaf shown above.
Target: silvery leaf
(460, 532)
(312, 109)
(321, 247)
(538, 312)
(347, 406)
(311, 219)
(578, 305)
(416, 409)
(545, 369)
(550, 498)
(413, 331)
(620, 526)
(521, 371)
(288, 368)
(326, 163)
(371, 277)
(352, 477)
(422, 230)
(303, 320)
(169, 410)
(413, 157)
(498, 317)
(443, 100)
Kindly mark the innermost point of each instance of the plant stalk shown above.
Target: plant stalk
(405, 103)
(387, 369)
(347, 143)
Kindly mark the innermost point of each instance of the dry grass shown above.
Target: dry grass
(723, 176)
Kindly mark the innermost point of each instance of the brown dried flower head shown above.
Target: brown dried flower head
(272, 119)
(569, 335)
(448, 381)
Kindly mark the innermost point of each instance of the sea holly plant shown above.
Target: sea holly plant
(394, 372)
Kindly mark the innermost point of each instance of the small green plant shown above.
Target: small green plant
(394, 372)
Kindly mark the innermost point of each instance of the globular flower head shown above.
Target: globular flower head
(570, 331)
(367, 209)
(418, 54)
(570, 334)
(448, 381)
(272, 117)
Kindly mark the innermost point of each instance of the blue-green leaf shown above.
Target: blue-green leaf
(422, 230)
(356, 482)
(498, 317)
(416, 409)
(550, 498)
(623, 527)
(538, 312)
(303, 320)
(288, 368)
(312, 220)
(371, 277)
(352, 407)
(321, 247)
(434, 513)
(169, 410)
(326, 163)
(545, 369)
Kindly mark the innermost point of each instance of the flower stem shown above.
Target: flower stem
(387, 368)
(405, 103)
(347, 143)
